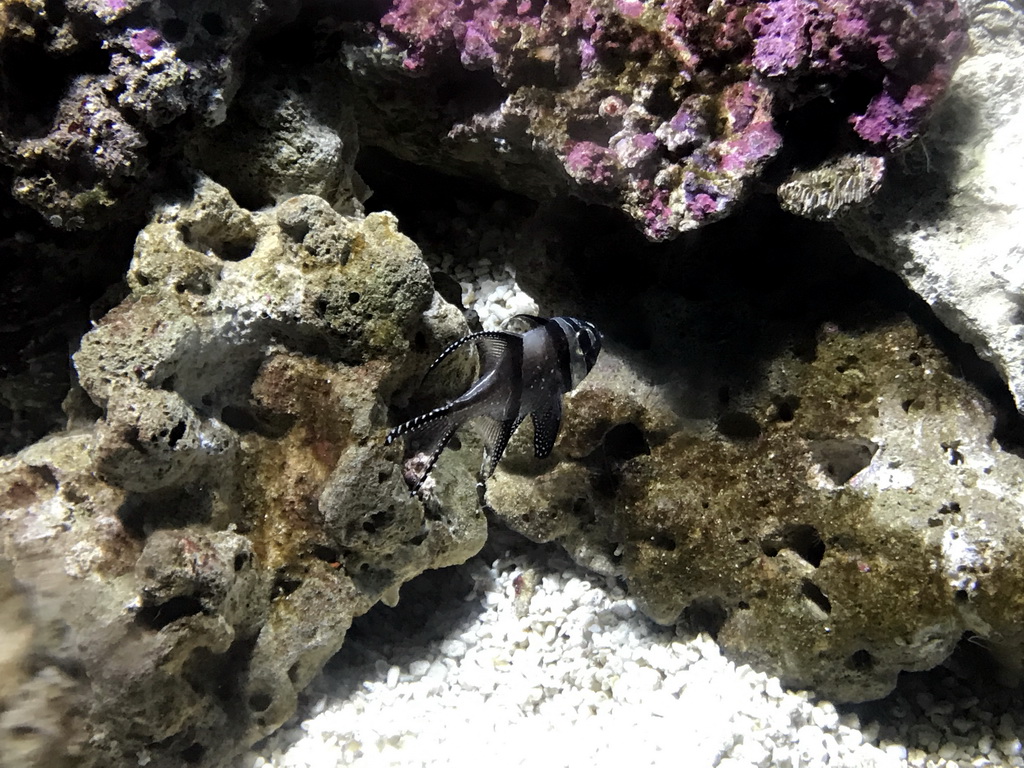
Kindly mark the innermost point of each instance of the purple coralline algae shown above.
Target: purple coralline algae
(671, 109)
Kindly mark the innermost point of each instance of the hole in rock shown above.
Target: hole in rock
(134, 439)
(663, 541)
(861, 661)
(213, 24)
(236, 250)
(819, 126)
(193, 753)
(785, 408)
(176, 434)
(260, 702)
(802, 539)
(241, 560)
(813, 592)
(284, 585)
(256, 420)
(624, 442)
(377, 520)
(841, 459)
(159, 616)
(706, 614)
(174, 30)
(583, 509)
(448, 287)
(325, 553)
(739, 426)
(36, 80)
(354, 297)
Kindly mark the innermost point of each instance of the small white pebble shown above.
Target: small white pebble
(947, 750)
(896, 750)
(1010, 747)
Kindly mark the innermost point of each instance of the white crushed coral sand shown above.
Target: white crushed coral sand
(457, 678)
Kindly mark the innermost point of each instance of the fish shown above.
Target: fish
(521, 374)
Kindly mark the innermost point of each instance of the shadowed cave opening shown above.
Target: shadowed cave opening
(773, 281)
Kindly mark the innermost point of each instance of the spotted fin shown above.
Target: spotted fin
(429, 434)
(442, 434)
(496, 438)
(444, 414)
(546, 423)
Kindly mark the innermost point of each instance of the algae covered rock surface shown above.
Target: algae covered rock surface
(817, 485)
(193, 556)
(812, 478)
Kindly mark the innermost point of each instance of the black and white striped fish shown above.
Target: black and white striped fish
(521, 374)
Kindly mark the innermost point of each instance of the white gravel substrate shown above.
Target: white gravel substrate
(471, 673)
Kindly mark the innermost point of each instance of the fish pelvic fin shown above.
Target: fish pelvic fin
(546, 422)
(498, 433)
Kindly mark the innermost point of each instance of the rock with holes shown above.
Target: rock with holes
(846, 519)
(289, 131)
(97, 91)
(669, 111)
(188, 557)
(952, 222)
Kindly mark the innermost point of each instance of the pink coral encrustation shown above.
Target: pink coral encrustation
(674, 107)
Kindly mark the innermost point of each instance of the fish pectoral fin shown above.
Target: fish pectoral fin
(493, 346)
(546, 423)
(496, 437)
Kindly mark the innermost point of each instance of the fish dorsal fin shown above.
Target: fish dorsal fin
(475, 337)
(533, 320)
(546, 422)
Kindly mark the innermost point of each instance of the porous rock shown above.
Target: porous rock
(951, 222)
(848, 521)
(187, 562)
(670, 111)
(287, 132)
(96, 91)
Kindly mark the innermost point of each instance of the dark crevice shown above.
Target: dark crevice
(813, 592)
(159, 616)
(706, 614)
(804, 540)
(624, 442)
(737, 425)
